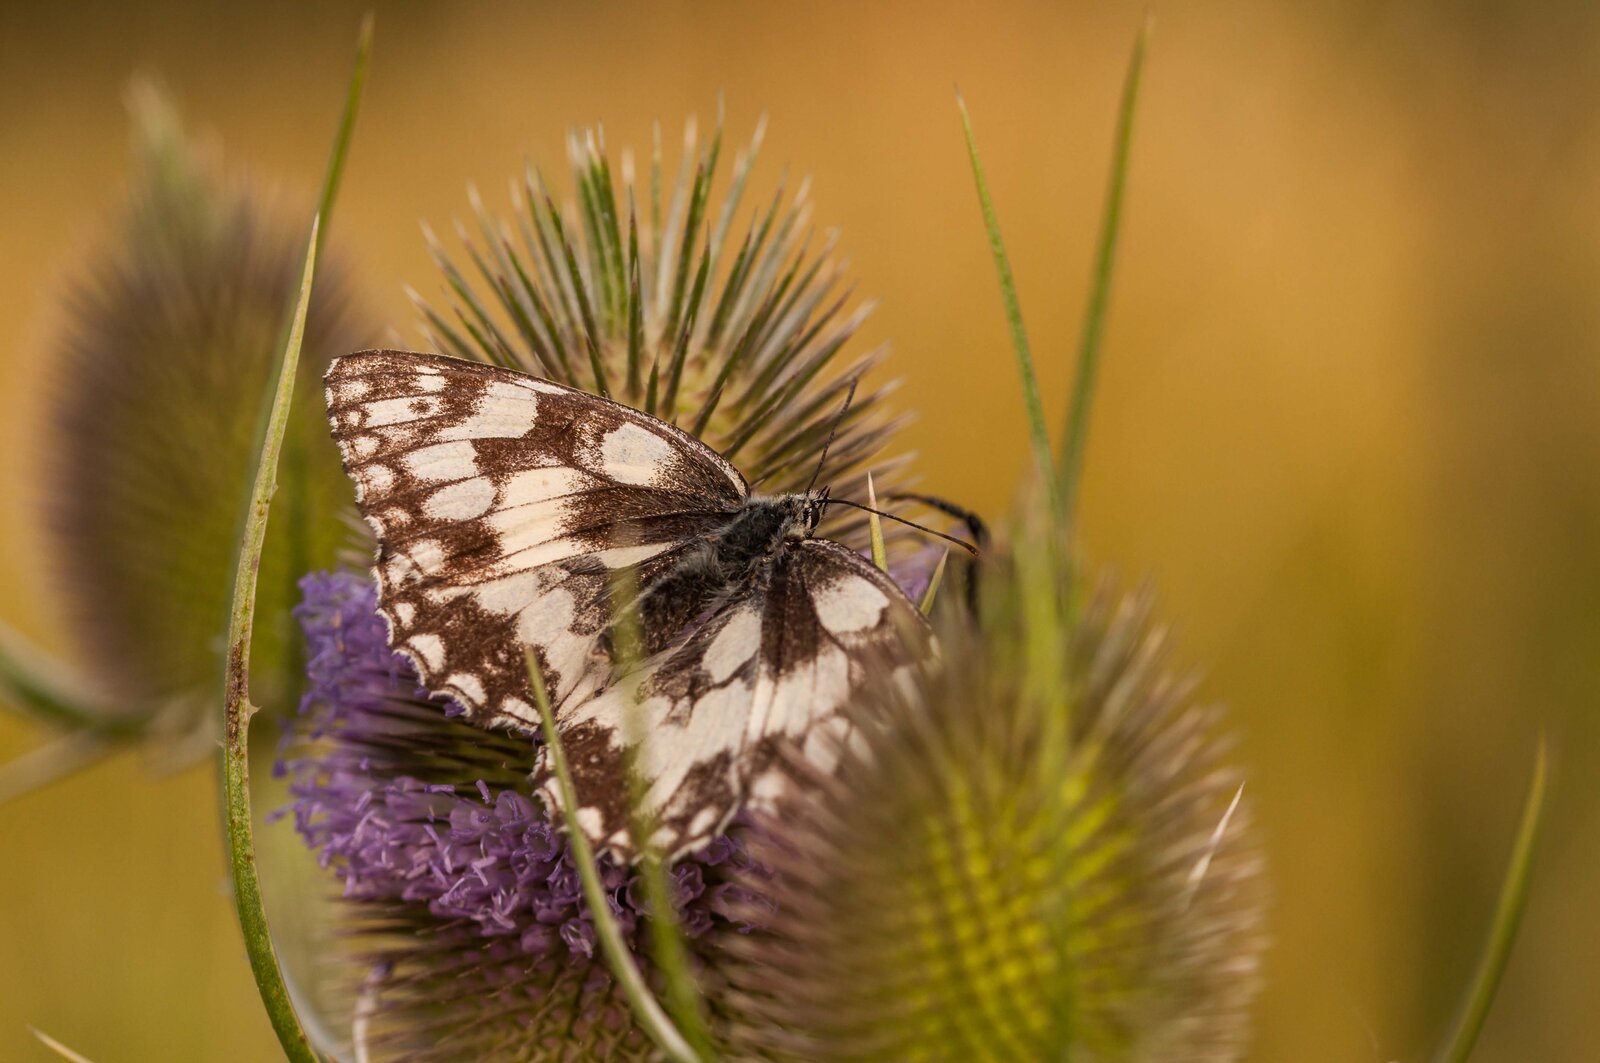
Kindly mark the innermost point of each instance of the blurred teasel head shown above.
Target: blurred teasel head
(1032, 848)
(171, 328)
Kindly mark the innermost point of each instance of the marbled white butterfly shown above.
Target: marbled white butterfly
(504, 507)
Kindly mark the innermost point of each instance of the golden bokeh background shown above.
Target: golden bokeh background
(1350, 421)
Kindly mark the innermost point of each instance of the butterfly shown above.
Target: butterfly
(506, 507)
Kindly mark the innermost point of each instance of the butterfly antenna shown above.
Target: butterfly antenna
(848, 398)
(968, 547)
(975, 524)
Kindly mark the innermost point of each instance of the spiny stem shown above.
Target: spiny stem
(237, 708)
(1075, 438)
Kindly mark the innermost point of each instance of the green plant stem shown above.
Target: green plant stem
(683, 999)
(1512, 901)
(237, 709)
(1075, 437)
(652, 1017)
(1013, 307)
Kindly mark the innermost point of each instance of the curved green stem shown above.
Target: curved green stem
(1508, 910)
(237, 708)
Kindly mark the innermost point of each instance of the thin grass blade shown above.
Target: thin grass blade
(1075, 437)
(1013, 307)
(931, 594)
(880, 553)
(1513, 899)
(347, 127)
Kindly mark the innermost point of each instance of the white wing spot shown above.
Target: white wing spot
(374, 479)
(424, 556)
(405, 612)
(541, 485)
(401, 411)
(518, 709)
(363, 447)
(634, 455)
(623, 556)
(766, 790)
(847, 605)
(428, 382)
(461, 500)
(733, 646)
(589, 821)
(505, 411)
(444, 461)
(703, 820)
(470, 687)
(430, 648)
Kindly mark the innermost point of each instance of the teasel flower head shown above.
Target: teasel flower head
(463, 927)
(1032, 848)
(171, 329)
(656, 292)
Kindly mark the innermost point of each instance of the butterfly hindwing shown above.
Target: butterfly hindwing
(775, 667)
(502, 503)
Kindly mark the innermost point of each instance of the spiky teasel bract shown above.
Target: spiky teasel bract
(170, 335)
(1032, 849)
(664, 298)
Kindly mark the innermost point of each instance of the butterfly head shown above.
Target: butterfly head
(812, 509)
(805, 513)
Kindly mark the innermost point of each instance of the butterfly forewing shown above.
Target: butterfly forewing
(502, 505)
(775, 668)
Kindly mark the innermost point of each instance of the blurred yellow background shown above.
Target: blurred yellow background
(1348, 424)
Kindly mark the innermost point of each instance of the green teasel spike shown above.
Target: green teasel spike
(730, 330)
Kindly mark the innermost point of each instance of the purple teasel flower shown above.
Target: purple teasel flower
(457, 879)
